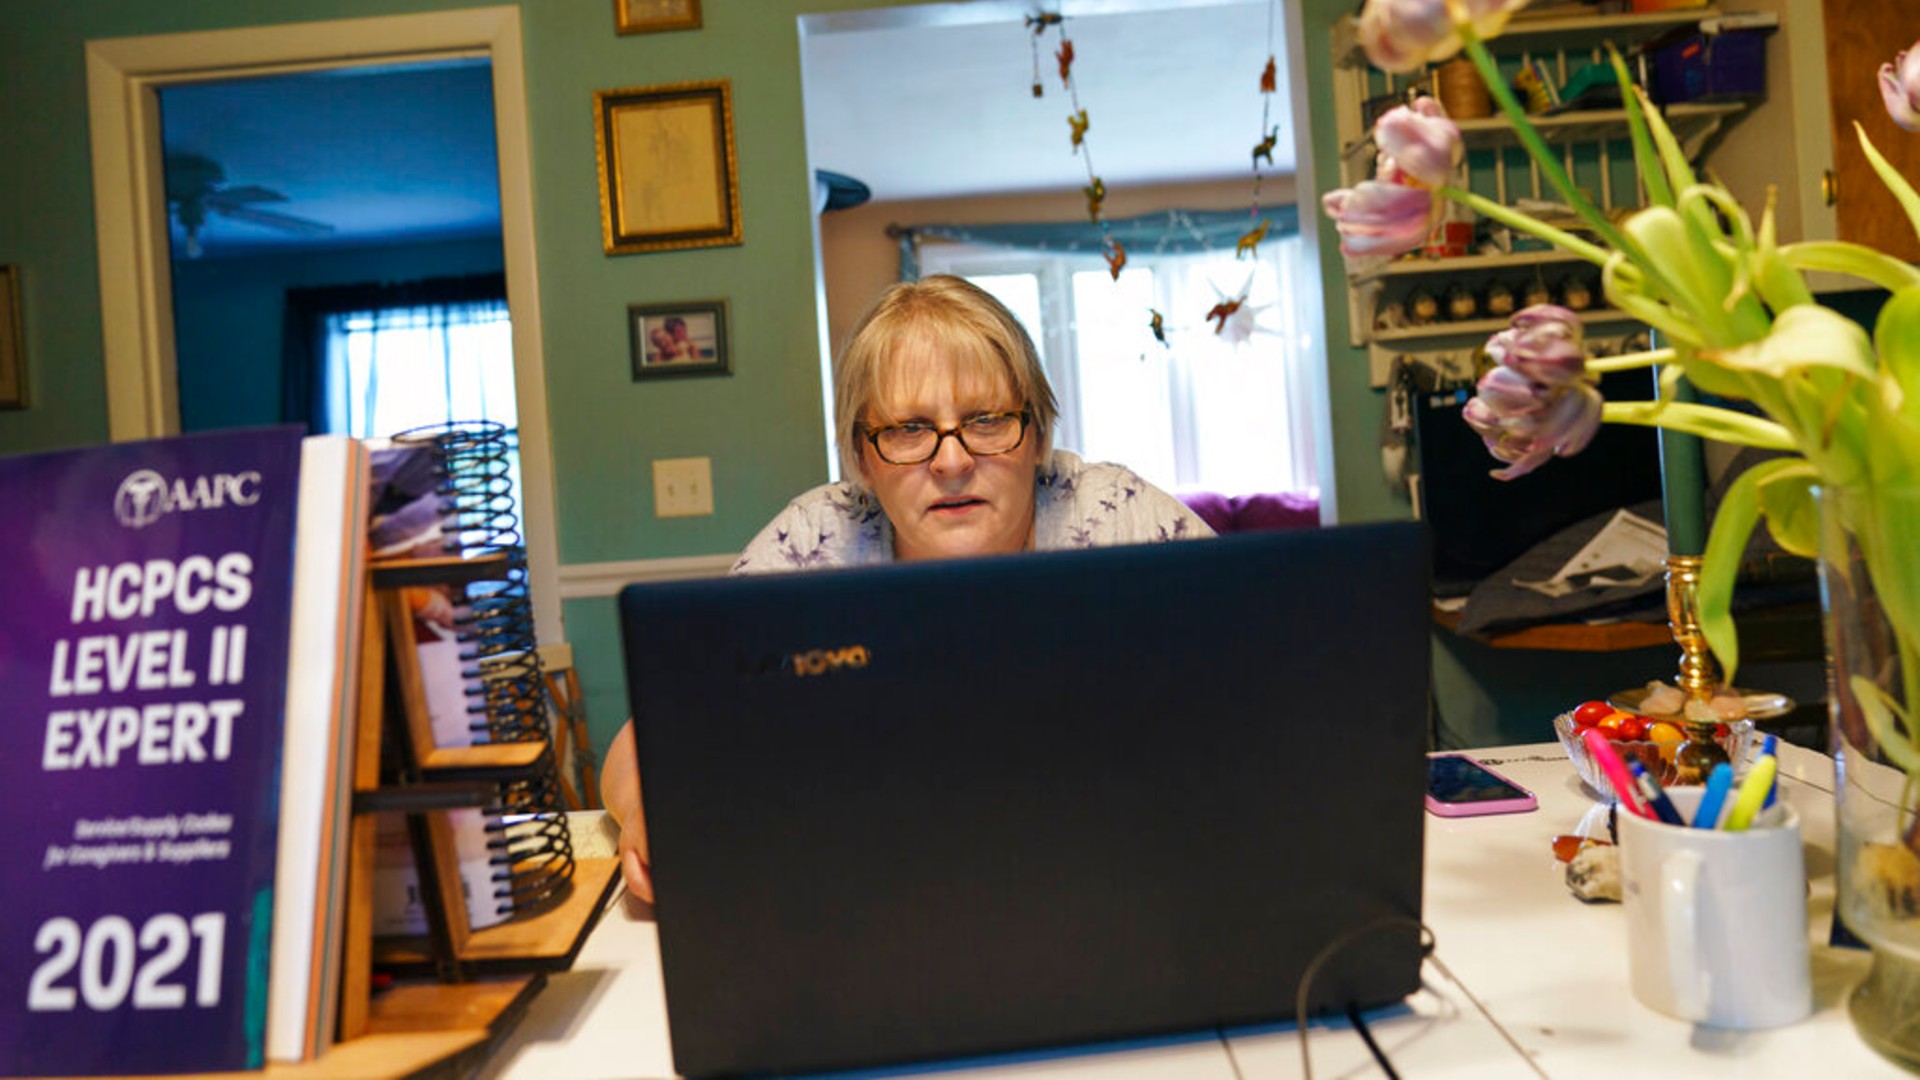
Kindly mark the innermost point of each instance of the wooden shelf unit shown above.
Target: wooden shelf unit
(480, 980)
(1597, 138)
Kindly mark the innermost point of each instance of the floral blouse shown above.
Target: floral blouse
(1076, 505)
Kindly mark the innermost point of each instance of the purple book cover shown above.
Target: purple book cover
(143, 652)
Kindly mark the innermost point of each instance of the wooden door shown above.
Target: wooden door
(1862, 35)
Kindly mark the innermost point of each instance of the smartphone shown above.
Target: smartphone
(1458, 786)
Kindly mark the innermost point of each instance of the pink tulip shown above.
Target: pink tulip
(1418, 141)
(1376, 218)
(1560, 427)
(1538, 402)
(1402, 35)
(1544, 343)
(1900, 86)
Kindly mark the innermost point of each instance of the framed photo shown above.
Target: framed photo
(647, 16)
(666, 167)
(13, 342)
(687, 338)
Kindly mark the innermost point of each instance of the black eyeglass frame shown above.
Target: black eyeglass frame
(872, 435)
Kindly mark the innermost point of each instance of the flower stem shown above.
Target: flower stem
(1629, 361)
(1706, 421)
(1536, 146)
(1507, 215)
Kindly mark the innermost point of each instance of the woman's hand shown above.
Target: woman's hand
(620, 794)
(634, 857)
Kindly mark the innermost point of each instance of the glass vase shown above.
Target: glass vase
(1870, 594)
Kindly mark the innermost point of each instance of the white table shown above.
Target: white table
(1550, 969)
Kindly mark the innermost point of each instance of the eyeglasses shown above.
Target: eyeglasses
(984, 435)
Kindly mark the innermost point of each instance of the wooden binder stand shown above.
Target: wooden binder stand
(481, 979)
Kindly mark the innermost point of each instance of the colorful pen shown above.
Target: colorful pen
(1767, 749)
(1753, 791)
(1615, 770)
(1719, 782)
(1649, 787)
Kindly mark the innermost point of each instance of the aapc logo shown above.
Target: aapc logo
(826, 661)
(145, 495)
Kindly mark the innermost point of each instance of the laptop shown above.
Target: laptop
(946, 809)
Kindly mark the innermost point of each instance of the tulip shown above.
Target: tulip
(1402, 35)
(1379, 219)
(1544, 343)
(1560, 423)
(1418, 141)
(1900, 86)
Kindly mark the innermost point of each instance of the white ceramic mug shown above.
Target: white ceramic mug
(1716, 920)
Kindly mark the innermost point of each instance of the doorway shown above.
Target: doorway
(1004, 183)
(126, 77)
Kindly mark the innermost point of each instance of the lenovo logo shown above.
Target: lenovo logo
(826, 661)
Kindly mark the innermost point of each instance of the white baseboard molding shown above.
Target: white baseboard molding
(582, 580)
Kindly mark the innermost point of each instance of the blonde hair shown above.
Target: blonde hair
(937, 316)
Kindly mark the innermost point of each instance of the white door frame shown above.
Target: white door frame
(124, 76)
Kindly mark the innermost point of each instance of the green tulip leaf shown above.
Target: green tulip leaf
(1679, 169)
(1786, 498)
(1808, 336)
(1878, 711)
(1841, 257)
(1897, 337)
(1720, 566)
(1903, 191)
(1644, 156)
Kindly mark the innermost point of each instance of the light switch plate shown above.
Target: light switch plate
(682, 487)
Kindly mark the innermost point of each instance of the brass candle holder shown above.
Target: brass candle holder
(1698, 677)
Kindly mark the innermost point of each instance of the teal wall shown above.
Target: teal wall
(762, 426)
(227, 318)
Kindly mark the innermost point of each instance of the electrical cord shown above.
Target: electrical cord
(1428, 954)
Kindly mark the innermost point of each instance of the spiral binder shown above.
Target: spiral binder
(461, 477)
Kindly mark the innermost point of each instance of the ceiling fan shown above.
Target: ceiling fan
(196, 186)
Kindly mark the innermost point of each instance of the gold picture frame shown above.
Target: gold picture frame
(13, 342)
(648, 16)
(666, 165)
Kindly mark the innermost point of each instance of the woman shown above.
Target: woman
(944, 420)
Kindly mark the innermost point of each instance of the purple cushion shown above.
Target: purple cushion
(1248, 513)
(1214, 508)
(1276, 510)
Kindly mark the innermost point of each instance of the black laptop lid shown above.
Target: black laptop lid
(943, 809)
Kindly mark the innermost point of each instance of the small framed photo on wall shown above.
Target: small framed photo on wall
(13, 342)
(685, 338)
(666, 165)
(647, 16)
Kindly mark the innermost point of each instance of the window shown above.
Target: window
(1202, 411)
(372, 361)
(392, 369)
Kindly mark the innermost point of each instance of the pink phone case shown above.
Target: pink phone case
(1474, 808)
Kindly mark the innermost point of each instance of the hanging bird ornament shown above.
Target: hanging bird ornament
(1116, 257)
(1065, 58)
(1078, 121)
(1038, 24)
(1158, 324)
(1224, 310)
(1267, 77)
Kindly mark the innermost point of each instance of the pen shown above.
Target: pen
(1610, 764)
(1649, 787)
(1719, 782)
(1753, 791)
(1767, 749)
